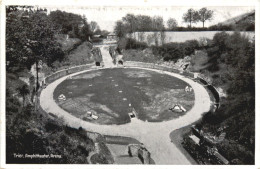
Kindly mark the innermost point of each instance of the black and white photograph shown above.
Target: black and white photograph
(129, 84)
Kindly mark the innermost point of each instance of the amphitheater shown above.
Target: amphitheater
(153, 135)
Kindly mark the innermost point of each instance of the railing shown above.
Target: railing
(212, 89)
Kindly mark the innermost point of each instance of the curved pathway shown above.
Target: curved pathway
(154, 135)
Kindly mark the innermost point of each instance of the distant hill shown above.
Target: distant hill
(244, 22)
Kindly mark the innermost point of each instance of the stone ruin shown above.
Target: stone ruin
(116, 55)
(138, 150)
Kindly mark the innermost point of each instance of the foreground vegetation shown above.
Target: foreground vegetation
(30, 132)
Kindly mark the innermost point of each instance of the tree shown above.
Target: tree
(130, 22)
(104, 33)
(23, 91)
(85, 32)
(65, 21)
(157, 23)
(97, 32)
(93, 26)
(191, 16)
(172, 24)
(204, 15)
(30, 39)
(144, 23)
(163, 36)
(120, 29)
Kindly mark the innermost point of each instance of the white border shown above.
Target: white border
(255, 3)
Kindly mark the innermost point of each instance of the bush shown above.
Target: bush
(190, 46)
(169, 51)
(133, 44)
(221, 28)
(219, 40)
(174, 51)
(98, 159)
(51, 125)
(97, 40)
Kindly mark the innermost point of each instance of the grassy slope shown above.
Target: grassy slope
(80, 55)
(236, 19)
(244, 22)
(140, 55)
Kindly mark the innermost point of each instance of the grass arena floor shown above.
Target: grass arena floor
(111, 94)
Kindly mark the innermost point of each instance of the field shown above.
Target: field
(151, 38)
(111, 94)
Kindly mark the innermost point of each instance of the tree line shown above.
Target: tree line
(142, 23)
(134, 23)
(202, 15)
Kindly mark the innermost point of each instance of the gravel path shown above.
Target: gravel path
(107, 59)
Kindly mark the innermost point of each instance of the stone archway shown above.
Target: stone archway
(97, 63)
(120, 62)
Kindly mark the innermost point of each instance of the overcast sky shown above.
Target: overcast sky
(107, 16)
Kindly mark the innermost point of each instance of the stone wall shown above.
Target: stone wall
(65, 72)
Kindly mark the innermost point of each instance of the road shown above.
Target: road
(154, 135)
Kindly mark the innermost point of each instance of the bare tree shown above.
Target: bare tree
(191, 16)
(204, 15)
(163, 36)
(93, 26)
(120, 29)
(157, 23)
(172, 23)
(131, 21)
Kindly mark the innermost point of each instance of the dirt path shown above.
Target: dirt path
(107, 59)
(155, 136)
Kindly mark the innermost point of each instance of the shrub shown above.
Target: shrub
(98, 159)
(51, 125)
(219, 40)
(97, 40)
(133, 44)
(190, 46)
(174, 51)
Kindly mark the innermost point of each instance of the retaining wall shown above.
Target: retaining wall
(65, 72)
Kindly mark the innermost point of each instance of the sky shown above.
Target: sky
(106, 16)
